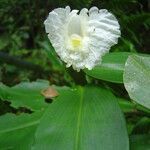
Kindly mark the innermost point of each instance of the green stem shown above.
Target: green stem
(129, 107)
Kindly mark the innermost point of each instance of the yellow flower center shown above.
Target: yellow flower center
(76, 41)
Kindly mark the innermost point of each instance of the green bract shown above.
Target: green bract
(137, 79)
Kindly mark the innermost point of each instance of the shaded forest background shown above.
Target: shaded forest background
(24, 44)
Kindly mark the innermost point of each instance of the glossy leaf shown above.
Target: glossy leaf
(82, 119)
(137, 79)
(25, 94)
(112, 67)
(17, 132)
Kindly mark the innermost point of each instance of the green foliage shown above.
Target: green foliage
(25, 94)
(75, 115)
(81, 117)
(113, 64)
(17, 132)
(51, 54)
(137, 79)
(140, 142)
(84, 119)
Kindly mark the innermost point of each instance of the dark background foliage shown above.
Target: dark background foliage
(24, 45)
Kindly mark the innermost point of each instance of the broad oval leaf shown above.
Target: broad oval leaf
(137, 79)
(25, 94)
(112, 67)
(82, 119)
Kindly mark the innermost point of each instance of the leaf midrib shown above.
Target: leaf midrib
(79, 115)
(21, 126)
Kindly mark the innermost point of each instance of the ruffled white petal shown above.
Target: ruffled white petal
(82, 39)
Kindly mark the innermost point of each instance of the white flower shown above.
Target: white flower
(82, 38)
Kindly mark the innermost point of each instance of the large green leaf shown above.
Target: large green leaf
(25, 94)
(140, 142)
(82, 119)
(111, 68)
(17, 132)
(137, 79)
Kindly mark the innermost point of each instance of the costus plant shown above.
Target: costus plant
(91, 116)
